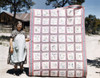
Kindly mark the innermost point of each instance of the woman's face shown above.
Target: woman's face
(19, 27)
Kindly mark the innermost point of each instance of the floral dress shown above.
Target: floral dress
(19, 55)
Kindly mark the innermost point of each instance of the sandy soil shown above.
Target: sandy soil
(93, 55)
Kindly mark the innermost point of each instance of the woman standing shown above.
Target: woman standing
(17, 50)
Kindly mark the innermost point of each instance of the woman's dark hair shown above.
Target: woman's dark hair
(19, 22)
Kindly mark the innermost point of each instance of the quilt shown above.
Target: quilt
(57, 42)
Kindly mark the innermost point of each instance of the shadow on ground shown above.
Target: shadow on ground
(18, 72)
(5, 38)
(95, 62)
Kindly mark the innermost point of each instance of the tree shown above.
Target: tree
(98, 25)
(92, 24)
(61, 3)
(16, 6)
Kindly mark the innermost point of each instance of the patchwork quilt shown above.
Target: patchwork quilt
(57, 42)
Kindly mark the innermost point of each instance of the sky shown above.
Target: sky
(91, 6)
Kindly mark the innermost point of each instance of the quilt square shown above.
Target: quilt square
(53, 38)
(37, 13)
(37, 29)
(70, 38)
(45, 12)
(45, 47)
(61, 29)
(62, 47)
(70, 21)
(71, 65)
(78, 12)
(62, 21)
(45, 38)
(62, 13)
(62, 65)
(54, 72)
(36, 73)
(36, 38)
(36, 56)
(78, 20)
(53, 55)
(54, 65)
(70, 12)
(71, 73)
(54, 13)
(61, 38)
(45, 65)
(79, 73)
(53, 47)
(79, 65)
(77, 29)
(53, 21)
(37, 21)
(79, 56)
(53, 29)
(62, 56)
(78, 38)
(45, 21)
(70, 47)
(45, 73)
(36, 65)
(45, 29)
(70, 30)
(36, 47)
(62, 73)
(45, 56)
(78, 47)
(70, 55)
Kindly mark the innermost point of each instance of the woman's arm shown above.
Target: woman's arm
(11, 45)
(26, 38)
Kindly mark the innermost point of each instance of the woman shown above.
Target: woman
(17, 51)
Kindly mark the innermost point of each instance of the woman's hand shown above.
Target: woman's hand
(11, 50)
(27, 39)
(11, 45)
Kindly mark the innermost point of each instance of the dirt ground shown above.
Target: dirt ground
(93, 59)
